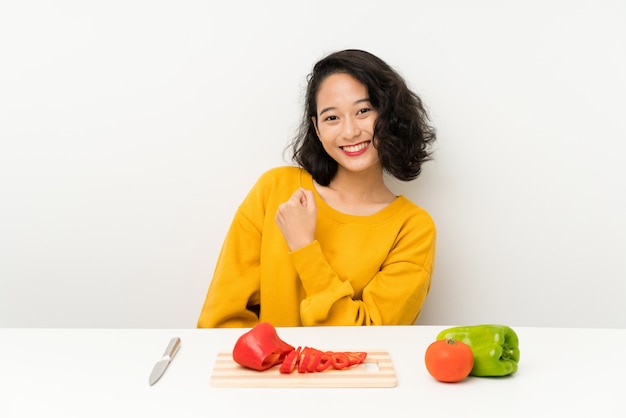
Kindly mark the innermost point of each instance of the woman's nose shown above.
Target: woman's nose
(351, 128)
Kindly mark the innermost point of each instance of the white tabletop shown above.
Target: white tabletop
(104, 373)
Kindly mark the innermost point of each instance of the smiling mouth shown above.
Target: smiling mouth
(356, 147)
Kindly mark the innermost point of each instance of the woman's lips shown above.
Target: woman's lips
(356, 149)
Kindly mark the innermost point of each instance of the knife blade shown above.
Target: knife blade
(161, 365)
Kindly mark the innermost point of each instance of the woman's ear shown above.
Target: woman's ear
(314, 120)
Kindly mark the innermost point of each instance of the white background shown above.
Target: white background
(131, 130)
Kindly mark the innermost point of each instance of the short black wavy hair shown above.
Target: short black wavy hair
(403, 130)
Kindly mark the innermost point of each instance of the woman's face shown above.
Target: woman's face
(345, 123)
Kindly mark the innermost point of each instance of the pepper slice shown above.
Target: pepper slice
(495, 347)
(356, 357)
(261, 348)
(305, 357)
(314, 360)
(326, 360)
(290, 362)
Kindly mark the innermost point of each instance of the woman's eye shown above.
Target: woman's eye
(364, 110)
(331, 118)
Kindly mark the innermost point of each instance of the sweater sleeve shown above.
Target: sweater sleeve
(234, 295)
(234, 288)
(394, 296)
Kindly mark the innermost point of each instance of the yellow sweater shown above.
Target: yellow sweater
(360, 270)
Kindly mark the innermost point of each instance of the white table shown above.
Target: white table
(104, 373)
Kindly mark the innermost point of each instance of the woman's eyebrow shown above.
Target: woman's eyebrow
(327, 109)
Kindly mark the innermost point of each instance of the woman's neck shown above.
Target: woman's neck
(361, 193)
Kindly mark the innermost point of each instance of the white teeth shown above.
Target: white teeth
(355, 148)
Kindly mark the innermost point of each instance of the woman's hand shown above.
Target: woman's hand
(296, 219)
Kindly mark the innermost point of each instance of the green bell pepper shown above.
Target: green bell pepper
(495, 347)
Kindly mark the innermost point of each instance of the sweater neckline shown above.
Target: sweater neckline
(323, 208)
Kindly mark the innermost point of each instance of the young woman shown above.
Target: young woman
(326, 242)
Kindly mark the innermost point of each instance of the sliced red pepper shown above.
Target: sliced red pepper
(314, 361)
(291, 361)
(261, 348)
(356, 357)
(309, 360)
(305, 357)
(326, 360)
(341, 361)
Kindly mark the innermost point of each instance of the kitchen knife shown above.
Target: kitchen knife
(161, 365)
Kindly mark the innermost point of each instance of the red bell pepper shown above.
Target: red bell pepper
(261, 348)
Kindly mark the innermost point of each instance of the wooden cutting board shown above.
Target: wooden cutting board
(377, 371)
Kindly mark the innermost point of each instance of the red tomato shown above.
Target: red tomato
(449, 360)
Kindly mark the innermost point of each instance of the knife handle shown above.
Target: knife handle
(172, 348)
